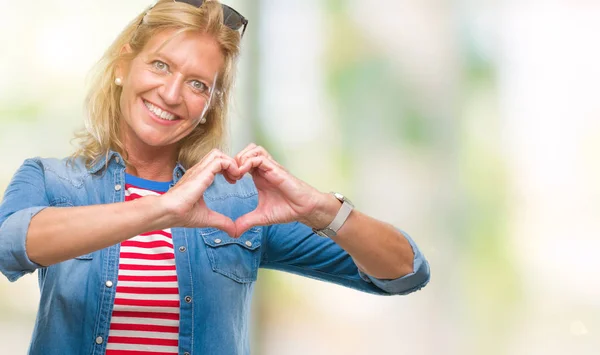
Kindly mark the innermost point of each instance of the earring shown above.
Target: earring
(203, 120)
(118, 81)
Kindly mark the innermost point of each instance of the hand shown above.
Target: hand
(185, 201)
(282, 197)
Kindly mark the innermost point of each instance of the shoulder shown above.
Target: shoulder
(57, 164)
(73, 170)
(67, 165)
(221, 189)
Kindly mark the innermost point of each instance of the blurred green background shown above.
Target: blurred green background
(472, 125)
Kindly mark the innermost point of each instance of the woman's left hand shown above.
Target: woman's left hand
(282, 197)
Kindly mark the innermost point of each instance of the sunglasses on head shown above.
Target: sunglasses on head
(231, 18)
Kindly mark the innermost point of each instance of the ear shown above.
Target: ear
(122, 66)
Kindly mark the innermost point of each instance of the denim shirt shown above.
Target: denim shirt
(216, 273)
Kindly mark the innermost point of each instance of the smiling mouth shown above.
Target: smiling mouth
(165, 115)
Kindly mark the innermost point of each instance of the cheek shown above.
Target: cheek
(198, 108)
(126, 104)
(123, 103)
(129, 100)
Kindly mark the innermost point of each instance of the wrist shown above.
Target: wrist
(162, 216)
(324, 213)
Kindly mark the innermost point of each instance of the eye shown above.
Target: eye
(161, 66)
(199, 86)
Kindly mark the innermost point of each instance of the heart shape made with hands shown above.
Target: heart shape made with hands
(282, 197)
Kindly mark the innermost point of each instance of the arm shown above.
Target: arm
(293, 247)
(33, 235)
(383, 254)
(59, 234)
(378, 248)
(386, 256)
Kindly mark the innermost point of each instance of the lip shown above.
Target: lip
(155, 117)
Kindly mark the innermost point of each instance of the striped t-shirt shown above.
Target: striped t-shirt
(145, 318)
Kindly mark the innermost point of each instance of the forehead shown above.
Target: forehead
(192, 52)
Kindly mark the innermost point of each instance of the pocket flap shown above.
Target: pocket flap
(85, 257)
(215, 238)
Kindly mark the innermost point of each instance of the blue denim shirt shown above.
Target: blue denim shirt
(216, 278)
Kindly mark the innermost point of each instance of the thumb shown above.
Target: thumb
(247, 221)
(222, 222)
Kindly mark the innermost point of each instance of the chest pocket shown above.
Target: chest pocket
(238, 258)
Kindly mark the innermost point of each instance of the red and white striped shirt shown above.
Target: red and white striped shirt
(145, 318)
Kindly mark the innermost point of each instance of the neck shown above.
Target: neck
(151, 163)
(151, 169)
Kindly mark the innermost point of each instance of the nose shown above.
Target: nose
(170, 91)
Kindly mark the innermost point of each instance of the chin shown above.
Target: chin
(156, 142)
(151, 138)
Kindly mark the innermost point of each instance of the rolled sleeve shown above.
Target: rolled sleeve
(24, 197)
(15, 262)
(408, 283)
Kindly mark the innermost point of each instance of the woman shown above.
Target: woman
(148, 240)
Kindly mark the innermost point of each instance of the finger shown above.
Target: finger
(249, 220)
(259, 151)
(232, 172)
(194, 171)
(229, 180)
(243, 151)
(222, 222)
(266, 166)
(220, 164)
(210, 156)
(225, 165)
(254, 152)
(197, 181)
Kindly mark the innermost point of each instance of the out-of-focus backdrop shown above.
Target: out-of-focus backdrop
(472, 125)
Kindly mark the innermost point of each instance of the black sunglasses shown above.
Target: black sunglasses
(231, 18)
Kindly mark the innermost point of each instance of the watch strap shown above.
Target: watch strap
(340, 217)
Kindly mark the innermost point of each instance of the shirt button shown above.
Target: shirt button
(99, 340)
(117, 187)
(117, 160)
(248, 243)
(217, 240)
(178, 174)
(186, 353)
(188, 299)
(109, 283)
(182, 249)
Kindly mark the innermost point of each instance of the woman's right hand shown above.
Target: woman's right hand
(184, 202)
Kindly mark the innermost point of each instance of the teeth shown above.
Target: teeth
(160, 113)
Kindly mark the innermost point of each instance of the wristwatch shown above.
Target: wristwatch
(335, 225)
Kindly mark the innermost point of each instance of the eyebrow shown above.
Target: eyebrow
(171, 63)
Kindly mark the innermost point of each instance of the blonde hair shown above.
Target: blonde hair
(102, 124)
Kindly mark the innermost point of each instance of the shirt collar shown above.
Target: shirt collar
(178, 172)
(102, 162)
